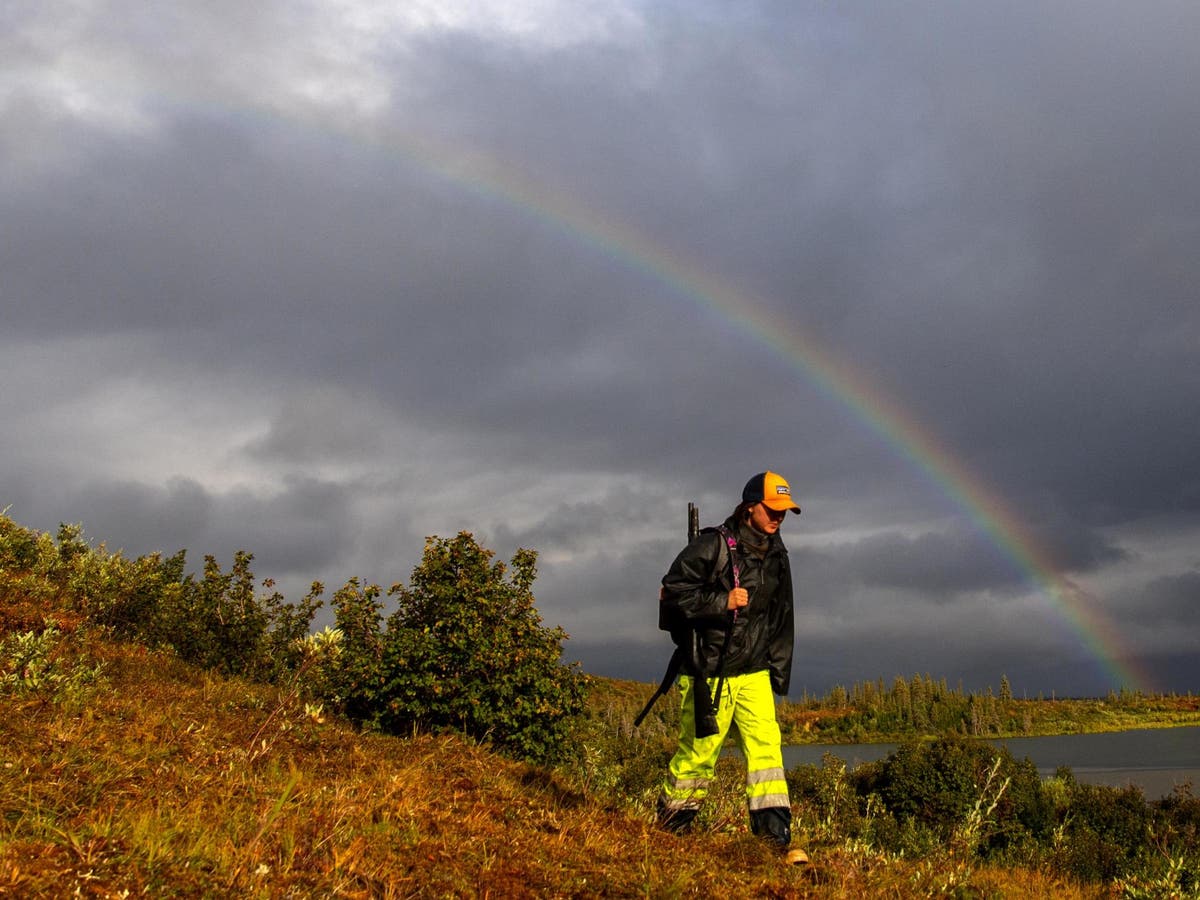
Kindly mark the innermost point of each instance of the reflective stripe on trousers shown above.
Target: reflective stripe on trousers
(748, 701)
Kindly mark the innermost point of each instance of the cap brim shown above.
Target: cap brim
(781, 505)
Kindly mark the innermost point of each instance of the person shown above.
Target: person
(728, 596)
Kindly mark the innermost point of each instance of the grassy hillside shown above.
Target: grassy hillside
(125, 771)
(129, 773)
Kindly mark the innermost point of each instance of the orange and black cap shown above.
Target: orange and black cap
(771, 490)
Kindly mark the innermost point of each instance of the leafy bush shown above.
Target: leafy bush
(959, 800)
(1105, 830)
(959, 791)
(219, 621)
(465, 650)
(615, 763)
(23, 549)
(825, 793)
(934, 783)
(27, 560)
(31, 663)
(350, 680)
(129, 596)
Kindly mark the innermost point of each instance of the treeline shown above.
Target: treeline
(922, 705)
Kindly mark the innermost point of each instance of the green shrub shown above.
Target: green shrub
(221, 622)
(1149, 849)
(1177, 823)
(962, 790)
(1106, 831)
(27, 561)
(129, 596)
(351, 679)
(933, 783)
(832, 809)
(464, 650)
(23, 549)
(966, 799)
(616, 764)
(34, 663)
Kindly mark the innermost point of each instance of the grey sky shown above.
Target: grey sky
(318, 281)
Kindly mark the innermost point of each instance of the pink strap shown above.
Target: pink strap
(737, 573)
(731, 541)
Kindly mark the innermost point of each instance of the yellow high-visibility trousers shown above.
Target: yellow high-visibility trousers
(748, 701)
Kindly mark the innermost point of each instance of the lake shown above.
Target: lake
(1154, 759)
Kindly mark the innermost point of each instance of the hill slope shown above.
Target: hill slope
(153, 777)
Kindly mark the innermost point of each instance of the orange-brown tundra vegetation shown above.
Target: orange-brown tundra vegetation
(160, 779)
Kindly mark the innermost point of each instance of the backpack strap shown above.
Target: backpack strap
(731, 544)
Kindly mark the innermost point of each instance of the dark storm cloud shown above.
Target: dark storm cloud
(1171, 601)
(935, 563)
(328, 249)
(945, 565)
(619, 594)
(303, 528)
(236, 255)
(1058, 247)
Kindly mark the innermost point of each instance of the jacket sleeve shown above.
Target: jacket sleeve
(782, 636)
(693, 594)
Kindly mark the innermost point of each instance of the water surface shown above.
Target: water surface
(1154, 759)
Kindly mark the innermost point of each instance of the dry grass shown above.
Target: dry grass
(166, 781)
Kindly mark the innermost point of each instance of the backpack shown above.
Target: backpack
(684, 637)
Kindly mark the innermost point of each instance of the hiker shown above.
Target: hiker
(728, 601)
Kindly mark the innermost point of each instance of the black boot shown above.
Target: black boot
(678, 821)
(773, 824)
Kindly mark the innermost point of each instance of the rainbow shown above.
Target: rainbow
(847, 386)
(487, 177)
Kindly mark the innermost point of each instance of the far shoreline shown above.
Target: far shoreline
(819, 739)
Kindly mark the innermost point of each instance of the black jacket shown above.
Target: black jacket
(693, 608)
